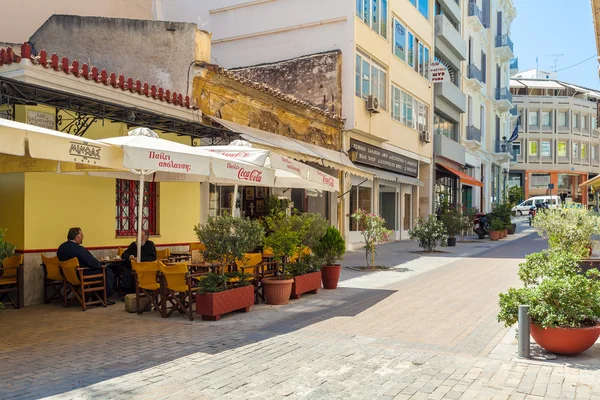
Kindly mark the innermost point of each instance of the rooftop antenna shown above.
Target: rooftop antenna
(556, 57)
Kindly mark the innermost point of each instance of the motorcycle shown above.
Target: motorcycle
(481, 225)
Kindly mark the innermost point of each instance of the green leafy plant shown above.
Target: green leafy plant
(451, 219)
(496, 223)
(228, 238)
(331, 246)
(570, 229)
(372, 227)
(429, 233)
(6, 249)
(466, 221)
(502, 211)
(214, 283)
(557, 293)
(514, 196)
(304, 265)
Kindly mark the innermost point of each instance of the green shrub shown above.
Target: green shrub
(331, 246)
(429, 233)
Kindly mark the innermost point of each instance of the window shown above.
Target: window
(374, 14)
(411, 50)
(545, 149)
(593, 152)
(594, 123)
(399, 40)
(575, 150)
(408, 48)
(371, 79)
(533, 148)
(562, 149)
(575, 122)
(422, 6)
(408, 110)
(583, 151)
(546, 118)
(533, 118)
(516, 146)
(360, 197)
(562, 118)
(584, 121)
(442, 126)
(127, 193)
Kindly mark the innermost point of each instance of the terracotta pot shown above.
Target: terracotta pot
(494, 235)
(277, 291)
(307, 283)
(451, 241)
(331, 275)
(505, 232)
(212, 305)
(567, 341)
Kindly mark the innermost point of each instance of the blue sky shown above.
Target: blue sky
(545, 27)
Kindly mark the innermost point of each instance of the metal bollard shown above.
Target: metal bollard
(523, 326)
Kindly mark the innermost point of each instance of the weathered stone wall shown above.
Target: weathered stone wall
(316, 78)
(156, 52)
(227, 98)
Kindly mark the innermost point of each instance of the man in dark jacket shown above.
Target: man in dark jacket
(148, 254)
(72, 248)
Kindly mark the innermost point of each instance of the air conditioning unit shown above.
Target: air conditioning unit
(425, 137)
(372, 104)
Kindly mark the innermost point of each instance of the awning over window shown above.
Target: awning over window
(392, 177)
(464, 178)
(293, 148)
(593, 182)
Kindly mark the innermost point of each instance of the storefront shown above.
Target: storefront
(457, 186)
(391, 194)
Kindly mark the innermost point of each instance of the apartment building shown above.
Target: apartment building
(558, 146)
(386, 47)
(487, 122)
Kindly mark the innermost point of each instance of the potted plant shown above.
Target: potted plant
(331, 247)
(496, 226)
(307, 268)
(564, 303)
(373, 230)
(286, 241)
(226, 238)
(467, 221)
(429, 233)
(452, 222)
(6, 250)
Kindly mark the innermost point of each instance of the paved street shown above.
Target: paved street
(426, 333)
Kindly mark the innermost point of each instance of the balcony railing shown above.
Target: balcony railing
(474, 73)
(473, 133)
(513, 111)
(475, 11)
(504, 41)
(502, 146)
(504, 94)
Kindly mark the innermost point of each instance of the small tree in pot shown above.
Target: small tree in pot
(372, 227)
(6, 250)
(496, 227)
(331, 247)
(451, 219)
(226, 239)
(570, 229)
(429, 233)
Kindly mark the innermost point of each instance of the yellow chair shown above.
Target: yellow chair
(163, 254)
(248, 264)
(178, 290)
(294, 258)
(52, 278)
(11, 280)
(120, 251)
(197, 246)
(80, 285)
(268, 252)
(147, 283)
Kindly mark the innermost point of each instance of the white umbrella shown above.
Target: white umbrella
(144, 153)
(289, 173)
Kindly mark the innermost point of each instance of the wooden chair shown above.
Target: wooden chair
(53, 280)
(11, 281)
(197, 246)
(83, 285)
(178, 290)
(148, 284)
(163, 255)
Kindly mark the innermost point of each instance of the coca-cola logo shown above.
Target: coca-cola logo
(250, 175)
(328, 180)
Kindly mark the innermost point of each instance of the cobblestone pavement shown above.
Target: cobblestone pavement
(426, 334)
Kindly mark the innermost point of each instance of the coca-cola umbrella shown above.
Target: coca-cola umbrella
(145, 154)
(289, 173)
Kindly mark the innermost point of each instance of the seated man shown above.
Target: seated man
(148, 254)
(72, 248)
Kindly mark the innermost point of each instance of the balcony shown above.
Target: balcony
(504, 48)
(514, 113)
(503, 148)
(503, 99)
(475, 77)
(476, 18)
(449, 41)
(449, 149)
(453, 98)
(473, 139)
(452, 7)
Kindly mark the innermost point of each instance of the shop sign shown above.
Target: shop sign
(384, 159)
(41, 119)
(438, 72)
(84, 151)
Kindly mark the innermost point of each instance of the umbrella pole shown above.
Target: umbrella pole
(140, 213)
(233, 206)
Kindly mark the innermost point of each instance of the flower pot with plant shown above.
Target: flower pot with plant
(6, 250)
(429, 233)
(451, 219)
(226, 238)
(331, 247)
(496, 226)
(373, 230)
(564, 303)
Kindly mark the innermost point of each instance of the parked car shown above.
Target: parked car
(523, 208)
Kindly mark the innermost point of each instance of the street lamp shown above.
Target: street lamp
(505, 174)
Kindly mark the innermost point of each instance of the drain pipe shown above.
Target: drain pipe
(523, 326)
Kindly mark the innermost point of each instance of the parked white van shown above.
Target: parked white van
(523, 208)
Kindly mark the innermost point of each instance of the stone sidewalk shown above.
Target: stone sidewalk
(381, 335)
